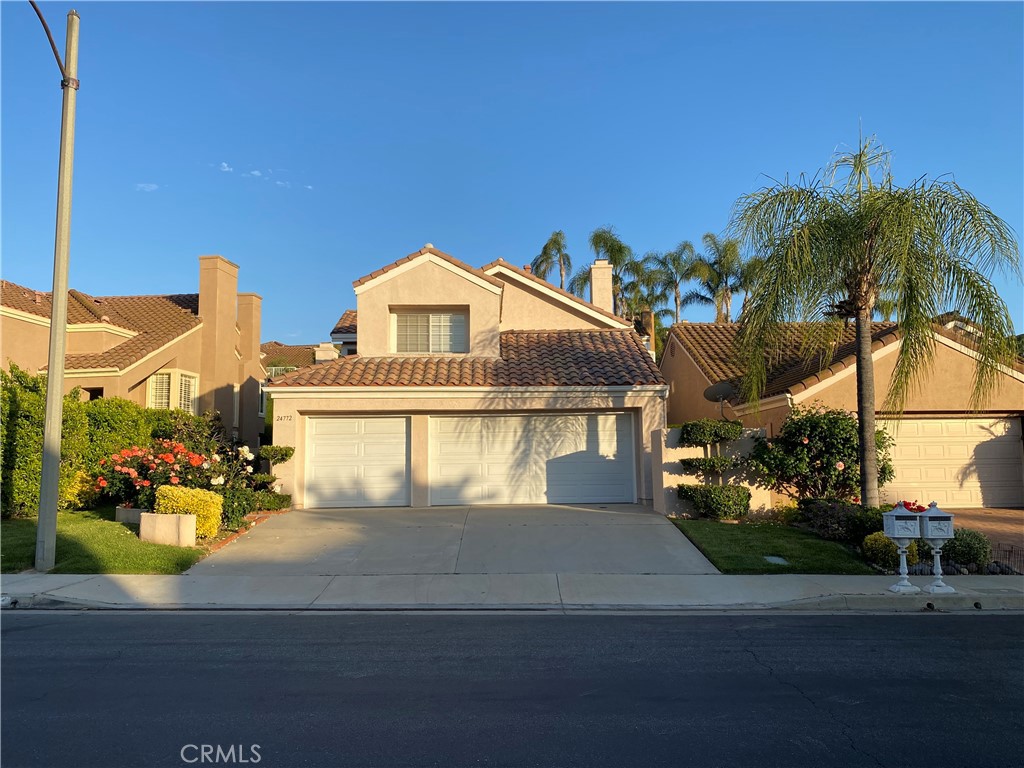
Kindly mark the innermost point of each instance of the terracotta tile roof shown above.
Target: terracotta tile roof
(591, 358)
(555, 288)
(711, 345)
(277, 354)
(346, 323)
(421, 252)
(155, 320)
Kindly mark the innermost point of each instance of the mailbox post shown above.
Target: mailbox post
(937, 529)
(903, 527)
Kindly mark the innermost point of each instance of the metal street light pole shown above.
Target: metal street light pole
(46, 531)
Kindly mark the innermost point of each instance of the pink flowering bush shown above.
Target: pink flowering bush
(132, 475)
(815, 455)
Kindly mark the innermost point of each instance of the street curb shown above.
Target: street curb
(955, 603)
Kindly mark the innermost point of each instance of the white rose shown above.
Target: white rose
(249, 470)
(219, 480)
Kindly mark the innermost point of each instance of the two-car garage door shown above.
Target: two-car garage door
(957, 462)
(489, 459)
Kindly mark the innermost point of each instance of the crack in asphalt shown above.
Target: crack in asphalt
(844, 729)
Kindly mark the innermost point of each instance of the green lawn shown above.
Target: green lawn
(89, 541)
(741, 549)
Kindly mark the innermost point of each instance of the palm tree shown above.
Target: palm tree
(643, 288)
(720, 273)
(551, 254)
(606, 245)
(832, 248)
(675, 269)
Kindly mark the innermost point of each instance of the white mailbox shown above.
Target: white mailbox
(902, 526)
(937, 529)
(936, 524)
(898, 523)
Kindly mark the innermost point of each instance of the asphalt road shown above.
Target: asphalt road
(136, 689)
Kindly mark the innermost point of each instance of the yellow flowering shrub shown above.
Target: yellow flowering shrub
(205, 505)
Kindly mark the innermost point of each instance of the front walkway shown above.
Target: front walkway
(550, 539)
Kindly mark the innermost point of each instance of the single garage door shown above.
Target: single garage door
(357, 462)
(957, 462)
(550, 459)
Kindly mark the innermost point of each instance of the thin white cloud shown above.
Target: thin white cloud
(257, 174)
(308, 186)
(146, 187)
(285, 184)
(226, 168)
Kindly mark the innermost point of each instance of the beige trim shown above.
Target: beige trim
(576, 304)
(744, 409)
(88, 373)
(850, 370)
(454, 269)
(115, 330)
(28, 317)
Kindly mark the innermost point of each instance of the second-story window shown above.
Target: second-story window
(430, 332)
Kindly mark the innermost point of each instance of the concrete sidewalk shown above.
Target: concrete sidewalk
(547, 592)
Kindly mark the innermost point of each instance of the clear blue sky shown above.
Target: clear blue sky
(477, 127)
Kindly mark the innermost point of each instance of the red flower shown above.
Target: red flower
(805, 441)
(174, 480)
(102, 483)
(103, 462)
(146, 483)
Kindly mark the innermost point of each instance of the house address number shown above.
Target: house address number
(283, 418)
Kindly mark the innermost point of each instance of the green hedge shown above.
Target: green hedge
(717, 501)
(276, 454)
(711, 465)
(22, 414)
(708, 431)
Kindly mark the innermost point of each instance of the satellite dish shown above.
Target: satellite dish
(723, 390)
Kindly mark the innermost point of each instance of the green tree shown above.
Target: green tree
(551, 255)
(835, 243)
(675, 269)
(606, 245)
(720, 272)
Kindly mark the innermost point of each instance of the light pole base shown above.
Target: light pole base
(939, 589)
(904, 589)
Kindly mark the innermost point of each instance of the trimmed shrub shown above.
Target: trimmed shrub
(710, 465)
(238, 502)
(205, 505)
(115, 423)
(23, 413)
(815, 455)
(882, 551)
(839, 520)
(967, 547)
(270, 501)
(262, 481)
(708, 431)
(276, 454)
(717, 501)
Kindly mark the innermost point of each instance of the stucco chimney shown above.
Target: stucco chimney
(601, 285)
(647, 321)
(218, 308)
(250, 306)
(325, 352)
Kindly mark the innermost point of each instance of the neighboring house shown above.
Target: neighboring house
(279, 358)
(472, 386)
(944, 452)
(196, 351)
(344, 333)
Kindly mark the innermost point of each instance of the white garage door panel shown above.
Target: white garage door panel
(357, 462)
(958, 462)
(532, 459)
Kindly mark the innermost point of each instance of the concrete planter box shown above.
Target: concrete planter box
(177, 530)
(128, 515)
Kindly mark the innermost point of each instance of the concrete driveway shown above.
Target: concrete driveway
(552, 539)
